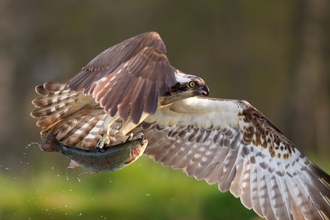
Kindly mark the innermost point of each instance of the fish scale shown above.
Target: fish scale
(99, 160)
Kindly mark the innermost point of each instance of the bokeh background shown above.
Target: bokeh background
(275, 54)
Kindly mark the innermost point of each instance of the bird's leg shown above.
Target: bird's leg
(106, 137)
(139, 136)
(128, 126)
(123, 138)
(104, 141)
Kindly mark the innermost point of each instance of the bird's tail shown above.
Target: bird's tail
(53, 104)
(70, 116)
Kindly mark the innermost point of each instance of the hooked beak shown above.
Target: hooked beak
(204, 90)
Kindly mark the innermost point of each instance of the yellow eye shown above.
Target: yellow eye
(192, 84)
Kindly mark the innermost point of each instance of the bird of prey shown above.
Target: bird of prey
(126, 82)
(224, 142)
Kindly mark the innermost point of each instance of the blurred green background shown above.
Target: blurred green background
(275, 54)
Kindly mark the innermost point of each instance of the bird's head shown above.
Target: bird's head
(189, 86)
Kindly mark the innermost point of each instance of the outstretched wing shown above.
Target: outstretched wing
(232, 144)
(121, 77)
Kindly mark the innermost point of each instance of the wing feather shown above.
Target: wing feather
(245, 189)
(114, 77)
(226, 172)
(122, 88)
(236, 185)
(139, 96)
(231, 143)
(110, 59)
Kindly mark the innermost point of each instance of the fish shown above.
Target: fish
(99, 160)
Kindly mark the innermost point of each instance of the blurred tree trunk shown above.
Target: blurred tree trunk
(311, 86)
(6, 108)
(7, 64)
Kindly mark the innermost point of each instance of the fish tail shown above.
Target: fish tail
(51, 144)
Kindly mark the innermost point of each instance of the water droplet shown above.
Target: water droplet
(29, 145)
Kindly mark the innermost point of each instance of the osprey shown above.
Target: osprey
(126, 82)
(131, 87)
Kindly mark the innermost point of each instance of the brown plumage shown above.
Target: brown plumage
(121, 77)
(124, 84)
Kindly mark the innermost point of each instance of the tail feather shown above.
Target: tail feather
(51, 87)
(41, 90)
(55, 101)
(51, 99)
(53, 109)
(84, 129)
(87, 131)
(54, 86)
(47, 124)
(71, 116)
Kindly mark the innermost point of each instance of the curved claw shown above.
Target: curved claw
(129, 137)
(138, 136)
(123, 138)
(104, 141)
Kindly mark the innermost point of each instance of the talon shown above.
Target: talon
(129, 137)
(123, 138)
(139, 136)
(104, 141)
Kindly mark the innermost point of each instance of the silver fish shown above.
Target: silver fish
(104, 159)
